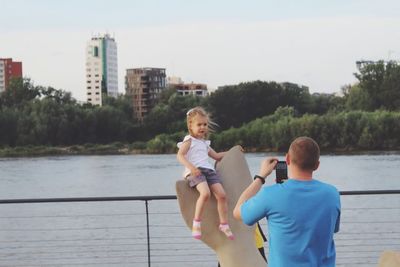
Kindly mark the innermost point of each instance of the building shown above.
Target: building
(101, 69)
(144, 85)
(8, 70)
(363, 63)
(197, 89)
(295, 86)
(184, 89)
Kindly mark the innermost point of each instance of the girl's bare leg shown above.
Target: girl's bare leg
(205, 194)
(204, 191)
(222, 205)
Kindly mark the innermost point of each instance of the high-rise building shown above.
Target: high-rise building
(101, 69)
(8, 70)
(144, 85)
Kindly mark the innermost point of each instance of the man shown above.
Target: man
(302, 213)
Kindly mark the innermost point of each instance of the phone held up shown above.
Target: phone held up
(281, 172)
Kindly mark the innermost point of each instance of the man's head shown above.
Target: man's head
(304, 154)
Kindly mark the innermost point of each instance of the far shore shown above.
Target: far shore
(128, 149)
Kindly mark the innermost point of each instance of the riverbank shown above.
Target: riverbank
(135, 148)
(87, 149)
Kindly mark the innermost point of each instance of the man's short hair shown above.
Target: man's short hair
(304, 153)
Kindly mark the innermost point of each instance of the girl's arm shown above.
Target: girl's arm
(216, 156)
(183, 150)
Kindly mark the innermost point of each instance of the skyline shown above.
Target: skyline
(313, 43)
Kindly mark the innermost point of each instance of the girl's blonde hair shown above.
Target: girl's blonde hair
(201, 112)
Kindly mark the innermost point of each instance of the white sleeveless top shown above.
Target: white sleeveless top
(197, 153)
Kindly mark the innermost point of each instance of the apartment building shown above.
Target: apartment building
(101, 69)
(9, 69)
(144, 85)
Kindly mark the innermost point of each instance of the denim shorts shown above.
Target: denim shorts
(207, 175)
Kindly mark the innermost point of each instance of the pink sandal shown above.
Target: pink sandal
(224, 228)
(196, 229)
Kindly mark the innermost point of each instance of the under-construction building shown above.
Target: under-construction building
(144, 85)
(184, 89)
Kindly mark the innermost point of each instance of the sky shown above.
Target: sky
(217, 42)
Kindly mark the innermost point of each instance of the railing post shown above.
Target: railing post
(148, 234)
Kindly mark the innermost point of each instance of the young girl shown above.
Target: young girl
(193, 154)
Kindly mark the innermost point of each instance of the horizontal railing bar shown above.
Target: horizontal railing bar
(117, 262)
(85, 199)
(148, 198)
(370, 192)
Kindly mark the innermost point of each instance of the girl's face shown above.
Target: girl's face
(199, 126)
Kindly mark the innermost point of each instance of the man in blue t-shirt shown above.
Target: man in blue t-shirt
(302, 213)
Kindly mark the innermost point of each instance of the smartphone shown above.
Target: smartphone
(281, 172)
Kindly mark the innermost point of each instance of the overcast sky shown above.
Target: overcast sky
(218, 42)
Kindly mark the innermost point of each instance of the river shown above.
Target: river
(83, 176)
(97, 234)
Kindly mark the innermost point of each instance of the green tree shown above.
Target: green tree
(390, 88)
(18, 93)
(297, 97)
(110, 125)
(324, 103)
(380, 81)
(357, 99)
(59, 96)
(231, 106)
(8, 126)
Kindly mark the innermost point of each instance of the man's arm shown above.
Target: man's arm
(267, 166)
(249, 192)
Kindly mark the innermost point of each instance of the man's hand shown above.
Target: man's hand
(267, 166)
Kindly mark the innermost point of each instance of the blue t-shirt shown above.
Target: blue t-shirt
(302, 217)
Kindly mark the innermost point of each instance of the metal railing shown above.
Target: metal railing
(103, 231)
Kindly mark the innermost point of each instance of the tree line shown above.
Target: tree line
(343, 131)
(258, 115)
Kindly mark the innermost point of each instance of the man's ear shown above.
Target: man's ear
(316, 166)
(287, 158)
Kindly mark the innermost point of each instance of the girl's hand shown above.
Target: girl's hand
(195, 172)
(220, 155)
(241, 148)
